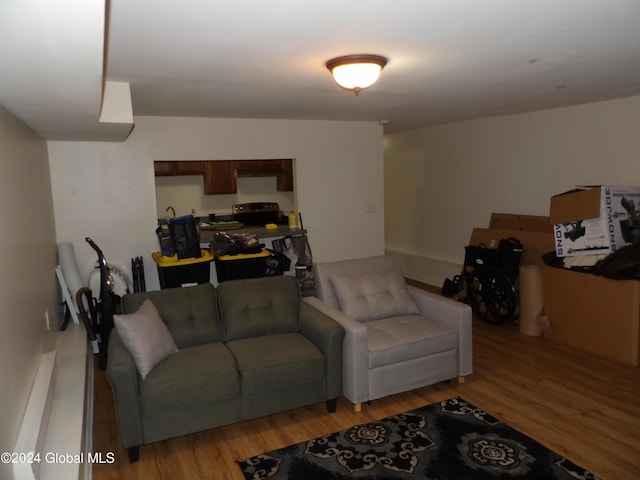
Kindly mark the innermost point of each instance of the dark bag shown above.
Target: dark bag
(276, 263)
(185, 237)
(225, 244)
(623, 264)
(509, 253)
(165, 239)
(480, 255)
(451, 287)
(506, 257)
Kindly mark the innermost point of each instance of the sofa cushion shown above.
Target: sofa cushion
(371, 296)
(398, 339)
(146, 337)
(324, 272)
(274, 362)
(197, 375)
(259, 306)
(190, 313)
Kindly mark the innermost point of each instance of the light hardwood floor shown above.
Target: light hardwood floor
(584, 407)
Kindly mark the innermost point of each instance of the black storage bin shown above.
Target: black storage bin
(182, 273)
(242, 265)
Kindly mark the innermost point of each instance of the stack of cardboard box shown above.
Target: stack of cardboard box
(588, 311)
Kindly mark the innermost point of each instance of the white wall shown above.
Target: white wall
(186, 193)
(106, 190)
(442, 181)
(27, 277)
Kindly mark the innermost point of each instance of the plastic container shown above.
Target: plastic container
(242, 265)
(293, 219)
(174, 272)
(166, 240)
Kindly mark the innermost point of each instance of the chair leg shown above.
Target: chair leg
(134, 453)
(332, 405)
(461, 379)
(357, 407)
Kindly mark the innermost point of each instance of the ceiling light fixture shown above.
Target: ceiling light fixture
(356, 72)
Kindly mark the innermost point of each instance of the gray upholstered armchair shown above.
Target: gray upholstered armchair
(397, 337)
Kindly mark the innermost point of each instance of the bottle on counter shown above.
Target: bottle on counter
(293, 219)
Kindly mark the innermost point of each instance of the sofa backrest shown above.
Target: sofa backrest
(190, 313)
(259, 306)
(324, 272)
(365, 289)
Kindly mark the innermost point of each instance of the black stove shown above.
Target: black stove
(256, 214)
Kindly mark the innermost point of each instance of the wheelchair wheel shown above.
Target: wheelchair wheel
(471, 291)
(498, 295)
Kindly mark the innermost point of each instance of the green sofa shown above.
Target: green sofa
(245, 349)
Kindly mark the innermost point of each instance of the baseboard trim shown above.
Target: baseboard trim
(69, 432)
(35, 422)
(421, 268)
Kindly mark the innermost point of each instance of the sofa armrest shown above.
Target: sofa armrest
(123, 377)
(328, 336)
(452, 313)
(355, 352)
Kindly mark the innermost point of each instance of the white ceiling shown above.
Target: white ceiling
(449, 60)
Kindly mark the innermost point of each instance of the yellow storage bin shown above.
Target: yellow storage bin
(242, 265)
(174, 272)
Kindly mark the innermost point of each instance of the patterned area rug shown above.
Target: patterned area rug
(450, 440)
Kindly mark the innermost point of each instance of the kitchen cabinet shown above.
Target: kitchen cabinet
(253, 165)
(282, 169)
(189, 167)
(219, 177)
(164, 169)
(285, 182)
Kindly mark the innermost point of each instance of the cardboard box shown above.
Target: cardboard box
(594, 313)
(529, 223)
(595, 220)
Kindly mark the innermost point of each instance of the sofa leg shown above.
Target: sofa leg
(332, 405)
(134, 453)
(357, 407)
(461, 379)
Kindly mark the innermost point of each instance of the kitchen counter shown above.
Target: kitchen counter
(295, 249)
(207, 232)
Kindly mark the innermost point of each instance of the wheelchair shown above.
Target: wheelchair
(487, 282)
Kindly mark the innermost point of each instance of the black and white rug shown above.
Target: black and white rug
(450, 440)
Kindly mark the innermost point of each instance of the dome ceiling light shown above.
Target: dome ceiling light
(356, 72)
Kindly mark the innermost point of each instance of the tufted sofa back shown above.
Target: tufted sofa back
(324, 273)
(191, 314)
(259, 306)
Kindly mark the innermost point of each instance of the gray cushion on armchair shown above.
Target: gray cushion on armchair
(371, 296)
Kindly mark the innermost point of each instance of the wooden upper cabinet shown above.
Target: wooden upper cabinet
(219, 177)
(164, 168)
(189, 167)
(282, 169)
(285, 182)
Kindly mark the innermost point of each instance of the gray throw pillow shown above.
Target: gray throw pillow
(146, 337)
(373, 296)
